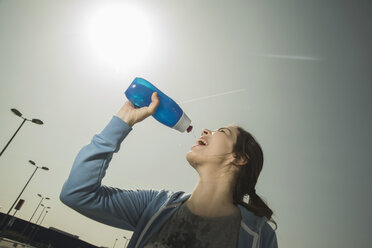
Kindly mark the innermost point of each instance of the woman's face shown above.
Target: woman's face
(213, 147)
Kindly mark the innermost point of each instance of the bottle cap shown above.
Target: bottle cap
(183, 123)
(189, 129)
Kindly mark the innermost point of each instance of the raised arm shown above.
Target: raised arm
(83, 190)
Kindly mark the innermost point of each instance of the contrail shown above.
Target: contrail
(278, 56)
(206, 97)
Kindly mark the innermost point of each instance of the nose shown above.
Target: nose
(205, 132)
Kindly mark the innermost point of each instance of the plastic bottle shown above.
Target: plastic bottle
(168, 112)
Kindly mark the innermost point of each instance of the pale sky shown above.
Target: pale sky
(296, 74)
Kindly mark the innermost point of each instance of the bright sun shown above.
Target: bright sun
(120, 34)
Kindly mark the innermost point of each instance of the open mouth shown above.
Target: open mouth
(202, 142)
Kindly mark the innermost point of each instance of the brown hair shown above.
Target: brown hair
(247, 148)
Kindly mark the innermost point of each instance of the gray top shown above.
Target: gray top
(187, 230)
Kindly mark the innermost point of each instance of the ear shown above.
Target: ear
(238, 160)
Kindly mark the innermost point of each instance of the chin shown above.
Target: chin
(191, 158)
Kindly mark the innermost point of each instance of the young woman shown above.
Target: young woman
(228, 161)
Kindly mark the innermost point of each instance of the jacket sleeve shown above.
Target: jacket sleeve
(84, 193)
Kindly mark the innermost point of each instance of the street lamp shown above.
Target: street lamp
(10, 209)
(116, 240)
(44, 216)
(115, 243)
(16, 112)
(44, 207)
(41, 200)
(125, 245)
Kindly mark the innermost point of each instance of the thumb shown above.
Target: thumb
(154, 103)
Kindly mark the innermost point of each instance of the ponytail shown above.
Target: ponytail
(247, 148)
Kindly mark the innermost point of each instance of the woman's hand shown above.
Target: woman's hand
(132, 115)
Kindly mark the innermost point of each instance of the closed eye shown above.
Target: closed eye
(223, 130)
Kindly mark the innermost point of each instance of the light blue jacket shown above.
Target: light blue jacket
(142, 211)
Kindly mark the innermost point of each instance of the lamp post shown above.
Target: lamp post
(16, 112)
(44, 207)
(10, 209)
(41, 200)
(125, 245)
(115, 243)
(44, 216)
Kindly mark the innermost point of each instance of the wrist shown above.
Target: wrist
(126, 119)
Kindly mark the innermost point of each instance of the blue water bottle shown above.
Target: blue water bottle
(168, 112)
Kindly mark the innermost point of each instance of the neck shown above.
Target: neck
(213, 195)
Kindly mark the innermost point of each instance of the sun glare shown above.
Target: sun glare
(120, 34)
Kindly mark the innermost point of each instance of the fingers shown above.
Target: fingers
(132, 114)
(154, 103)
